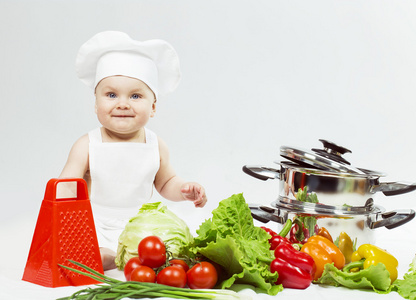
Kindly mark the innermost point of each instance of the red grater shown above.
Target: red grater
(64, 230)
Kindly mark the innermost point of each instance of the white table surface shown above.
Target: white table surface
(16, 237)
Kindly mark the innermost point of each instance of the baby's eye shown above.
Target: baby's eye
(111, 95)
(135, 96)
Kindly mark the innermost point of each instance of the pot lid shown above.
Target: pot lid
(329, 158)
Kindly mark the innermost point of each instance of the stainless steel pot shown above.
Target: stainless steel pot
(345, 193)
(358, 222)
(326, 173)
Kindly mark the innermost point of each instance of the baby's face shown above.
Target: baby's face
(123, 104)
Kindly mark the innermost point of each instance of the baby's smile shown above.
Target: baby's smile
(123, 116)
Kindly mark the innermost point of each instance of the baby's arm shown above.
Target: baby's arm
(76, 165)
(173, 187)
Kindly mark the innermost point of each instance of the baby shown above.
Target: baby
(122, 160)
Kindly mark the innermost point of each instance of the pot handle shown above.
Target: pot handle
(261, 172)
(394, 188)
(393, 219)
(260, 216)
(265, 214)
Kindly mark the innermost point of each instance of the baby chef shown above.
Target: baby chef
(122, 160)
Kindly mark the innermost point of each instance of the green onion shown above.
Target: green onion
(116, 289)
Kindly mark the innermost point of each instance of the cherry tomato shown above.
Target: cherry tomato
(143, 274)
(179, 263)
(172, 276)
(133, 263)
(202, 276)
(152, 252)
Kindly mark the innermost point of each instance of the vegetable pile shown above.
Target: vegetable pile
(160, 257)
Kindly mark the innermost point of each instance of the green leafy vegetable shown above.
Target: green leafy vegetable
(406, 287)
(230, 239)
(152, 219)
(374, 277)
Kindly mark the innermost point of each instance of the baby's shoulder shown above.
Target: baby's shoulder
(82, 143)
(79, 150)
(161, 143)
(163, 149)
(83, 139)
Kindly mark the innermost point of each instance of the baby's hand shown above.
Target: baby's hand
(194, 192)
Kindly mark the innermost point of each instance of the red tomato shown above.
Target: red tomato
(202, 276)
(152, 252)
(143, 274)
(133, 263)
(179, 263)
(217, 267)
(172, 276)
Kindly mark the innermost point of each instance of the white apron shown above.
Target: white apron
(122, 176)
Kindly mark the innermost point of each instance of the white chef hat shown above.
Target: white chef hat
(111, 53)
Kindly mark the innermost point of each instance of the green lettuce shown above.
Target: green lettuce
(406, 287)
(153, 219)
(374, 277)
(230, 239)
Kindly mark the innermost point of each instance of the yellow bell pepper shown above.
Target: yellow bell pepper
(374, 255)
(346, 246)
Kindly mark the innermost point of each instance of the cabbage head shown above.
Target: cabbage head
(153, 219)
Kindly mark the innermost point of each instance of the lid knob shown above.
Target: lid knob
(333, 151)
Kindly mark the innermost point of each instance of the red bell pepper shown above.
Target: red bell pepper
(269, 231)
(300, 234)
(295, 269)
(276, 238)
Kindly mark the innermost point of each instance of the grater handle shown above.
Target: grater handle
(51, 188)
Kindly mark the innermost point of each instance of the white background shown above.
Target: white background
(256, 75)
